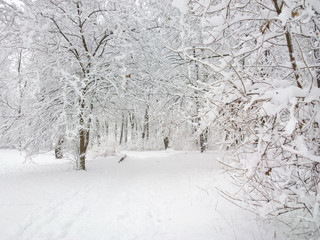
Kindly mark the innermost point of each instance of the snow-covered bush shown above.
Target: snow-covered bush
(265, 101)
(277, 165)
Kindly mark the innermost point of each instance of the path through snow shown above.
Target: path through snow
(149, 195)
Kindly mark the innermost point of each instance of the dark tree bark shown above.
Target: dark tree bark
(145, 133)
(317, 57)
(166, 142)
(115, 132)
(84, 132)
(289, 45)
(122, 129)
(203, 140)
(132, 124)
(98, 133)
(58, 149)
(107, 129)
(126, 129)
(82, 150)
(20, 95)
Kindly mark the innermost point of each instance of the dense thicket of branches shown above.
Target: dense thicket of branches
(265, 101)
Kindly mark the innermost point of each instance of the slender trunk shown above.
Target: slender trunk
(316, 53)
(115, 132)
(203, 140)
(290, 46)
(98, 133)
(203, 135)
(145, 133)
(166, 142)
(132, 124)
(58, 149)
(292, 59)
(107, 129)
(82, 150)
(20, 97)
(148, 126)
(121, 129)
(318, 77)
(83, 136)
(126, 129)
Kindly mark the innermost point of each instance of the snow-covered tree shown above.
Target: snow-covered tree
(90, 67)
(266, 101)
(71, 50)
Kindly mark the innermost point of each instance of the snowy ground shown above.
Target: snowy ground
(150, 195)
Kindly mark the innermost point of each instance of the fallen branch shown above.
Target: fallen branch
(122, 158)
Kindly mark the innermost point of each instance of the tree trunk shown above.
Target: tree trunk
(82, 149)
(58, 149)
(83, 137)
(318, 78)
(289, 45)
(115, 132)
(20, 96)
(166, 142)
(203, 140)
(316, 53)
(126, 129)
(98, 133)
(107, 129)
(145, 133)
(132, 124)
(122, 128)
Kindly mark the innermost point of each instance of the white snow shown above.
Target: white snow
(285, 15)
(182, 5)
(315, 4)
(150, 195)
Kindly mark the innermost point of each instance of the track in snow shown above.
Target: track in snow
(149, 195)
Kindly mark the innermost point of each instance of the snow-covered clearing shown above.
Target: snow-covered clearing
(150, 195)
